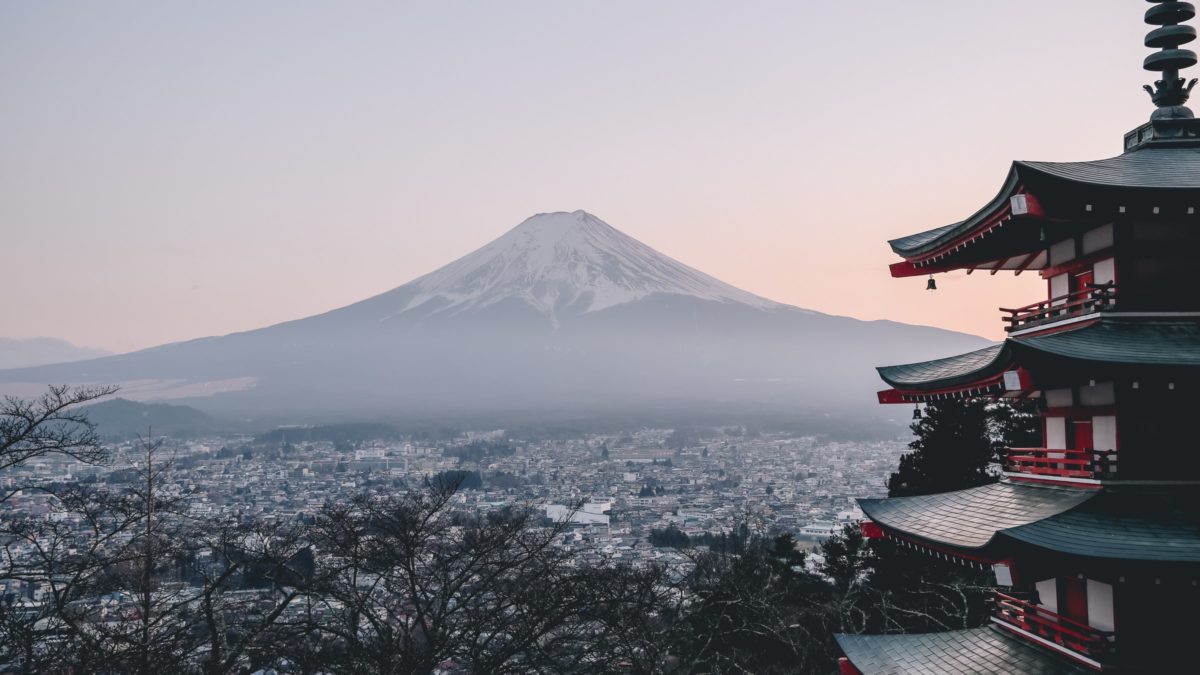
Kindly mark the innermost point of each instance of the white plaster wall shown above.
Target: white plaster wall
(1048, 593)
(1100, 605)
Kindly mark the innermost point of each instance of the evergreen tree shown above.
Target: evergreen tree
(951, 451)
(957, 442)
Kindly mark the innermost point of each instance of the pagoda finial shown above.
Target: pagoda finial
(1171, 92)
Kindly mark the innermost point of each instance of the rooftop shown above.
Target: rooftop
(979, 650)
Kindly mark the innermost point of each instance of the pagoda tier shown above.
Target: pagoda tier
(1107, 578)
(1046, 202)
(1105, 385)
(1107, 347)
(965, 523)
(977, 651)
(993, 523)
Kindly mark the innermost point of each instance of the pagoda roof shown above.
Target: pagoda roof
(971, 518)
(949, 371)
(978, 650)
(1156, 169)
(914, 242)
(1110, 340)
(1129, 523)
(1123, 341)
(1125, 525)
(1148, 170)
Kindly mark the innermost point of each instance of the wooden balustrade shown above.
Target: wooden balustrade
(1096, 464)
(1061, 630)
(1094, 298)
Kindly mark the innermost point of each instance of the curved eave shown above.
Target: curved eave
(1132, 525)
(915, 246)
(940, 374)
(970, 519)
(977, 650)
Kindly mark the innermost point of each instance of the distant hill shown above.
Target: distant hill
(332, 433)
(39, 351)
(122, 418)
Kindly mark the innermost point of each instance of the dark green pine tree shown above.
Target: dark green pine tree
(952, 450)
(1017, 425)
(957, 442)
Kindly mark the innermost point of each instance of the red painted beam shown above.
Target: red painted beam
(847, 668)
(870, 530)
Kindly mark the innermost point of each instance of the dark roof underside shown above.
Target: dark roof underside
(947, 372)
(1125, 525)
(1146, 169)
(971, 518)
(975, 651)
(1128, 341)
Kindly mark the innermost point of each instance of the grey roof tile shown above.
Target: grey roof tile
(971, 518)
(1125, 524)
(1124, 341)
(948, 371)
(975, 651)
(1173, 168)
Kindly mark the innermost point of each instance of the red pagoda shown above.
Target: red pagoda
(1095, 536)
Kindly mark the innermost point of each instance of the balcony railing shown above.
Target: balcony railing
(1095, 464)
(1094, 298)
(1068, 633)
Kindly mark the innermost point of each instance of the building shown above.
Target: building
(1094, 537)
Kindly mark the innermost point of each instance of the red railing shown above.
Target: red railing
(1094, 298)
(1074, 635)
(1065, 463)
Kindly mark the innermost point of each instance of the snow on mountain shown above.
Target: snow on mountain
(573, 262)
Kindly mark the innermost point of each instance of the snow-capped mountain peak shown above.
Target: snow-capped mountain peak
(573, 262)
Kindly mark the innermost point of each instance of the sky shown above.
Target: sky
(176, 170)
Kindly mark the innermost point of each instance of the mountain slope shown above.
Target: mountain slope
(562, 312)
(16, 353)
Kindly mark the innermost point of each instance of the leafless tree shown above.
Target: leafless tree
(133, 584)
(412, 586)
(50, 424)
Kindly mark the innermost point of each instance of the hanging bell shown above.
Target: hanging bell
(931, 285)
(917, 413)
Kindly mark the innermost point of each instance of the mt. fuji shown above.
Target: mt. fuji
(568, 263)
(563, 313)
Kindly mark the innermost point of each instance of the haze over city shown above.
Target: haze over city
(171, 172)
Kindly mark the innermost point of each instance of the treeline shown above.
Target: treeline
(351, 433)
(736, 541)
(477, 451)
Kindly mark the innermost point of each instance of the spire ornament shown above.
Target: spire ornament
(1171, 92)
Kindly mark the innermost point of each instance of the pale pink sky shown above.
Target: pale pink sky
(171, 171)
